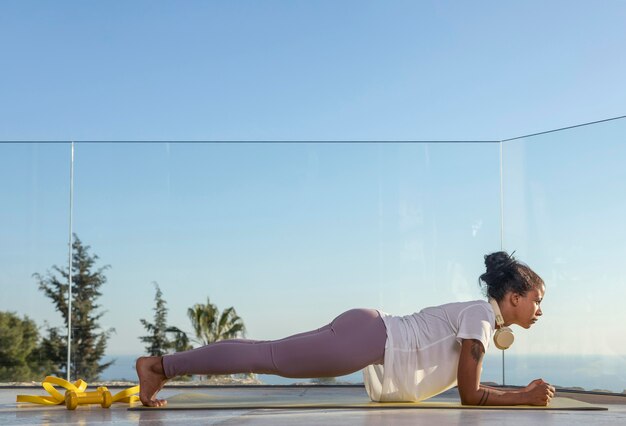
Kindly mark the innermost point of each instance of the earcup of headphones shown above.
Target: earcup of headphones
(503, 338)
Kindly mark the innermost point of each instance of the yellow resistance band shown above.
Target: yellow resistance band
(77, 389)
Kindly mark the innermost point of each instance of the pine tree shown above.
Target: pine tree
(88, 339)
(158, 341)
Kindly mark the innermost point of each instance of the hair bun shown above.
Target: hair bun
(505, 273)
(498, 261)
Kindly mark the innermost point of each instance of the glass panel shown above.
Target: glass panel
(34, 183)
(291, 235)
(564, 208)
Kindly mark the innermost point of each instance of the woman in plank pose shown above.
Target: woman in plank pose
(403, 358)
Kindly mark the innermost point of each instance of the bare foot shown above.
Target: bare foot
(151, 380)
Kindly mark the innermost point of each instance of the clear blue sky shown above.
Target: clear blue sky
(307, 69)
(292, 235)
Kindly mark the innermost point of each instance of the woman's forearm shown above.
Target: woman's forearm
(503, 389)
(486, 395)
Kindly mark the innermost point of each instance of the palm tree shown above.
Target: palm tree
(212, 326)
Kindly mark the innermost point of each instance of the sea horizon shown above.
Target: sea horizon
(588, 372)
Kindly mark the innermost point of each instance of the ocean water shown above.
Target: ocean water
(590, 372)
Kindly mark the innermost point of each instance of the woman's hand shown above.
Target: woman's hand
(533, 384)
(539, 392)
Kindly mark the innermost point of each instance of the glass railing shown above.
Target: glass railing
(292, 234)
(34, 197)
(563, 213)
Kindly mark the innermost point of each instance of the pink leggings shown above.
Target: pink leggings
(352, 341)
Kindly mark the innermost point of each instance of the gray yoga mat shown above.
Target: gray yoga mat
(199, 401)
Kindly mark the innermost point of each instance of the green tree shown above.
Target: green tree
(158, 340)
(211, 326)
(88, 339)
(179, 340)
(19, 349)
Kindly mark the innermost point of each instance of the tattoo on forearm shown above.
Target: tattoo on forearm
(483, 399)
(477, 350)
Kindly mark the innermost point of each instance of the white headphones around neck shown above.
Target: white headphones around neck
(503, 338)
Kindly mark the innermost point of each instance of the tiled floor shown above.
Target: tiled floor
(27, 414)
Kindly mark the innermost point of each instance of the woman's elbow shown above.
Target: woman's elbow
(469, 397)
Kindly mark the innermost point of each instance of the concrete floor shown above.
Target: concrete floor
(27, 414)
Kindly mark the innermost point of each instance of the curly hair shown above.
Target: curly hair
(505, 273)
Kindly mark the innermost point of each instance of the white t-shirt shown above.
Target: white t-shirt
(422, 350)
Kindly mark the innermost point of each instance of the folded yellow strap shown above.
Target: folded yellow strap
(56, 397)
(127, 395)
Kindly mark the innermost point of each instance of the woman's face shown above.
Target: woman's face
(528, 309)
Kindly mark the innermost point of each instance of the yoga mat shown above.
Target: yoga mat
(199, 401)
